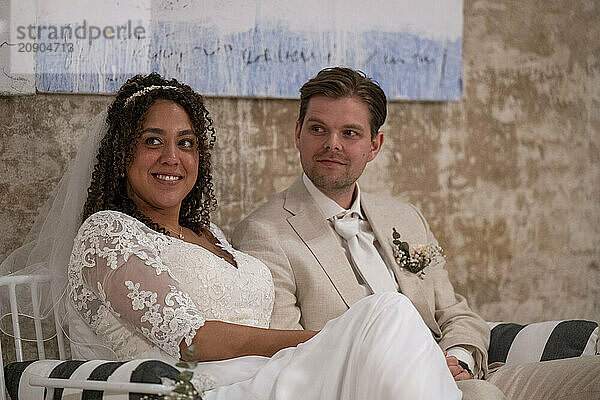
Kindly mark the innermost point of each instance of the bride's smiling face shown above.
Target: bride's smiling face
(165, 159)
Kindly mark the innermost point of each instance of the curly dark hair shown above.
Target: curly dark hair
(108, 189)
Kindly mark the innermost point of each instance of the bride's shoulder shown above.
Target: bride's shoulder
(112, 221)
(110, 216)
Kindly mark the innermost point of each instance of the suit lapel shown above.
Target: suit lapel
(382, 220)
(308, 222)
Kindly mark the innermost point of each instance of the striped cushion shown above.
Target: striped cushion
(136, 371)
(541, 341)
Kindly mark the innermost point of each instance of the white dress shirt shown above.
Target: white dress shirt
(332, 209)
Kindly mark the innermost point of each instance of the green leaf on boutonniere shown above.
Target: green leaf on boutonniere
(415, 267)
(404, 246)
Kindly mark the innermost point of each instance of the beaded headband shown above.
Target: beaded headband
(145, 90)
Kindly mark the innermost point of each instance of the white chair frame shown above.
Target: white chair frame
(150, 388)
(33, 281)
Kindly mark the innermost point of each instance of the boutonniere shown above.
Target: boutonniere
(414, 259)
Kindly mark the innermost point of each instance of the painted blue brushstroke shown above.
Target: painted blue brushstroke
(262, 62)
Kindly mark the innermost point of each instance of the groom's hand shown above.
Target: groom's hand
(458, 372)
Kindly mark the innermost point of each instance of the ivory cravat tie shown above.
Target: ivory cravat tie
(367, 260)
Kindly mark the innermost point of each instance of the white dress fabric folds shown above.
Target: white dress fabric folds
(139, 293)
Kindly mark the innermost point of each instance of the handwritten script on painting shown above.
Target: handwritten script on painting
(247, 48)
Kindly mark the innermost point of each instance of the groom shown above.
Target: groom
(328, 244)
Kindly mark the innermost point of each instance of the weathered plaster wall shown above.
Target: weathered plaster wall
(509, 177)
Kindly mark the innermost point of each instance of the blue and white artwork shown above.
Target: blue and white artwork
(252, 48)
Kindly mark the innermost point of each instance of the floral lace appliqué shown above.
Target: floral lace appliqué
(168, 324)
(142, 299)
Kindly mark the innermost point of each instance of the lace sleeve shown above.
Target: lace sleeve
(116, 268)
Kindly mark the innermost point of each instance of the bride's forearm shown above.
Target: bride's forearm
(218, 340)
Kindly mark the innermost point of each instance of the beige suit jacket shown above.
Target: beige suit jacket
(314, 281)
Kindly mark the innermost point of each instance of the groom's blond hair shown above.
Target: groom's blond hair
(339, 82)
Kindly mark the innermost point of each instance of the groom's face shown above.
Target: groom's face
(335, 142)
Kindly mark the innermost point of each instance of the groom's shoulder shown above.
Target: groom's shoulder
(267, 221)
(272, 205)
(268, 212)
(282, 205)
(387, 200)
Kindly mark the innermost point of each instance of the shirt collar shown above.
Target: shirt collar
(328, 207)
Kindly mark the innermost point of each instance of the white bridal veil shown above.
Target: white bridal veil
(48, 245)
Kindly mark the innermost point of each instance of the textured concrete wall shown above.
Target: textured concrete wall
(508, 177)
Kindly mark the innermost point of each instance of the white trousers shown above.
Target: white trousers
(379, 349)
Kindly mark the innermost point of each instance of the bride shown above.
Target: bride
(149, 276)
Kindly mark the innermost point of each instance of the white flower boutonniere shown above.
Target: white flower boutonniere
(414, 259)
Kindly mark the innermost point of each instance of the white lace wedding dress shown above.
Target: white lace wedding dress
(140, 293)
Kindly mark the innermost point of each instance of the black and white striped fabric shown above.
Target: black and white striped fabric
(135, 371)
(541, 341)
